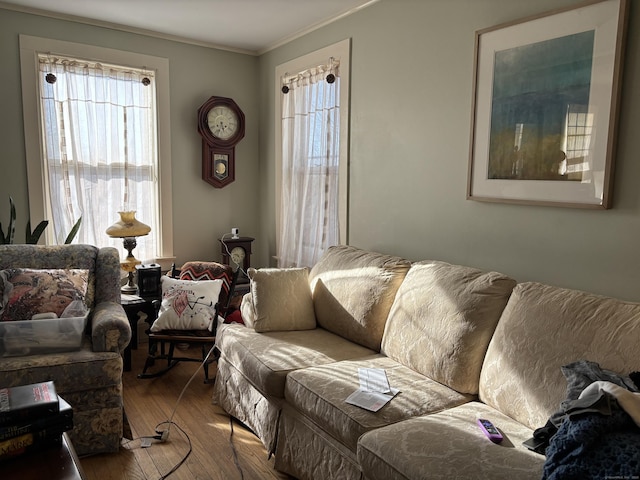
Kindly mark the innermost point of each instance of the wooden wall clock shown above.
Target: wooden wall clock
(221, 125)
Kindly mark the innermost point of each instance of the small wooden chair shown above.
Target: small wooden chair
(205, 339)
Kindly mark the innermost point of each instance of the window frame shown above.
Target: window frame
(30, 46)
(341, 51)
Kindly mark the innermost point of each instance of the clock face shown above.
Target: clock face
(223, 122)
(237, 255)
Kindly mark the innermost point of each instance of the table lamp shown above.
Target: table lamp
(128, 228)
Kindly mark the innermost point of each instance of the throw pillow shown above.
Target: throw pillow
(281, 299)
(25, 292)
(199, 270)
(187, 304)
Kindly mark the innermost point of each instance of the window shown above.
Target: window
(578, 130)
(311, 180)
(98, 149)
(99, 154)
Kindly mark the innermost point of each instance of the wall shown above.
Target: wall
(411, 90)
(201, 213)
(412, 67)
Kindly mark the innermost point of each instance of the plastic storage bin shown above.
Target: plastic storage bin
(30, 337)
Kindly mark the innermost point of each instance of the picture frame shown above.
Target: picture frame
(546, 93)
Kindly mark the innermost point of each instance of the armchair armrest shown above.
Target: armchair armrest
(110, 329)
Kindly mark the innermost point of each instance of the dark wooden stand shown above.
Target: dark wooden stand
(133, 309)
(55, 463)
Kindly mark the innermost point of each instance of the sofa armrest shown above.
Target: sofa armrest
(110, 328)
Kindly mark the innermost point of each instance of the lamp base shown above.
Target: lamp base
(129, 266)
(129, 290)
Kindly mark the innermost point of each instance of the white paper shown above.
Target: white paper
(373, 380)
(372, 401)
(127, 299)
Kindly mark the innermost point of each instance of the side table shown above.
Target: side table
(135, 307)
(55, 463)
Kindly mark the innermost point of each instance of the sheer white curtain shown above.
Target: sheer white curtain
(99, 129)
(310, 156)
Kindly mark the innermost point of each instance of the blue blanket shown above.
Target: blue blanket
(595, 446)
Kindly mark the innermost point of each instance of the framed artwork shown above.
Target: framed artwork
(545, 107)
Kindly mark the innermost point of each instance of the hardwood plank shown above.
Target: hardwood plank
(152, 401)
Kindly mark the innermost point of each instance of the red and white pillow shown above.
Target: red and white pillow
(187, 304)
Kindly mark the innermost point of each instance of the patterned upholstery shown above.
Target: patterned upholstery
(90, 379)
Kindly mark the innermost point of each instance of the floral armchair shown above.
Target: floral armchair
(89, 378)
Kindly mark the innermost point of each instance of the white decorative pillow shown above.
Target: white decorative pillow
(187, 304)
(281, 299)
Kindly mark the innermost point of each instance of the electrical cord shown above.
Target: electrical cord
(162, 435)
(184, 459)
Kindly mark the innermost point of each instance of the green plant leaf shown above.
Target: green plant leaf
(73, 232)
(34, 237)
(11, 230)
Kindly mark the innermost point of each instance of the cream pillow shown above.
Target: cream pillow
(187, 304)
(281, 299)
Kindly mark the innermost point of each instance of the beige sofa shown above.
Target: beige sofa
(458, 343)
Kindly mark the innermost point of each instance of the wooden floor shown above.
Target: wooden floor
(149, 402)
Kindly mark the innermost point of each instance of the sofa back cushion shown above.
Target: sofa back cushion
(353, 290)
(442, 320)
(543, 328)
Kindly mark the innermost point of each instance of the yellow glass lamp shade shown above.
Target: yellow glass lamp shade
(128, 228)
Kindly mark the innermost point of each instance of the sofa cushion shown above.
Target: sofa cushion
(25, 292)
(353, 291)
(542, 329)
(265, 359)
(447, 445)
(80, 370)
(320, 392)
(442, 320)
(280, 299)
